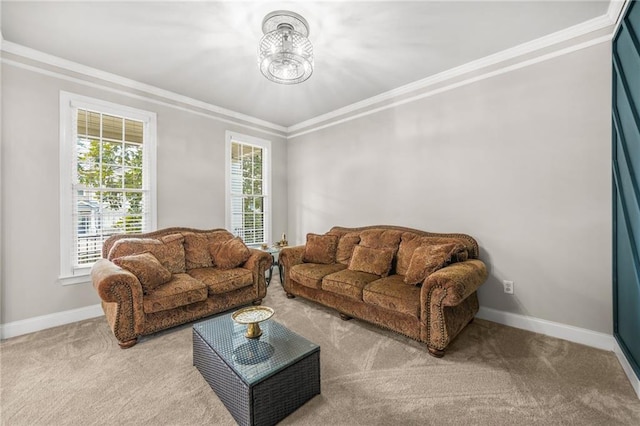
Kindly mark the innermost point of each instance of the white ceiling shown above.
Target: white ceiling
(207, 50)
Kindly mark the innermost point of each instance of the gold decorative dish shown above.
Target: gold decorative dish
(252, 316)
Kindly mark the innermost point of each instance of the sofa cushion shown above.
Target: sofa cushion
(229, 254)
(169, 250)
(346, 244)
(180, 291)
(146, 268)
(196, 251)
(223, 280)
(311, 274)
(196, 247)
(320, 249)
(427, 259)
(410, 241)
(392, 293)
(371, 260)
(348, 283)
(381, 238)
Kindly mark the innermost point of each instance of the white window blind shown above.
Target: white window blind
(248, 183)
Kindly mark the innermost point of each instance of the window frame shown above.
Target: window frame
(230, 137)
(69, 104)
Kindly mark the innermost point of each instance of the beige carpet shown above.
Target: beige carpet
(492, 375)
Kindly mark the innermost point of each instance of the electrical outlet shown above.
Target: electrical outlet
(508, 286)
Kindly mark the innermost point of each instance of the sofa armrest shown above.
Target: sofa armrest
(450, 288)
(290, 256)
(121, 293)
(258, 262)
(459, 280)
(108, 280)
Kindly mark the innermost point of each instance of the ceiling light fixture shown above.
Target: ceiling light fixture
(285, 54)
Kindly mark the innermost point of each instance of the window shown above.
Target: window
(248, 184)
(107, 176)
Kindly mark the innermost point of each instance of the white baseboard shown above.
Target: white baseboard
(30, 325)
(566, 332)
(550, 328)
(628, 370)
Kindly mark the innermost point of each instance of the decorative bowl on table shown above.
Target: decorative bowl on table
(252, 317)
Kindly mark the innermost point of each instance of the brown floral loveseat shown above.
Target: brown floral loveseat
(420, 284)
(153, 281)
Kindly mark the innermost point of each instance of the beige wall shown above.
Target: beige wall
(190, 185)
(521, 161)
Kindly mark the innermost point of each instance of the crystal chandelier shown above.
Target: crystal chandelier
(285, 54)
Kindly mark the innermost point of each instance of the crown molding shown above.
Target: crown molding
(45, 58)
(342, 115)
(614, 12)
(521, 50)
(454, 85)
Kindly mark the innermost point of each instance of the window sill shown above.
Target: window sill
(75, 279)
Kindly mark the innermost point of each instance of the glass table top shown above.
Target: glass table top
(254, 359)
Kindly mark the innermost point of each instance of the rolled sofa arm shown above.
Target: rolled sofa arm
(258, 263)
(446, 305)
(290, 256)
(121, 294)
(459, 280)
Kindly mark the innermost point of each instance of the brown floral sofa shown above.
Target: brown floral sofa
(420, 284)
(153, 281)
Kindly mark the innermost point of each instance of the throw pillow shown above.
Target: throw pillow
(345, 247)
(461, 255)
(427, 259)
(371, 260)
(229, 254)
(169, 250)
(196, 251)
(408, 244)
(146, 268)
(381, 238)
(320, 249)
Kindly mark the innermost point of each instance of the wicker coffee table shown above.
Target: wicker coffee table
(260, 381)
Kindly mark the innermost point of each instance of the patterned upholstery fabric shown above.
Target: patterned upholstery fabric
(196, 251)
(131, 313)
(169, 250)
(348, 283)
(146, 268)
(311, 274)
(320, 249)
(196, 247)
(223, 280)
(411, 241)
(408, 244)
(371, 260)
(392, 293)
(427, 259)
(381, 238)
(229, 254)
(434, 311)
(180, 291)
(346, 244)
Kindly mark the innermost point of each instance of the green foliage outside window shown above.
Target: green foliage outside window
(108, 169)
